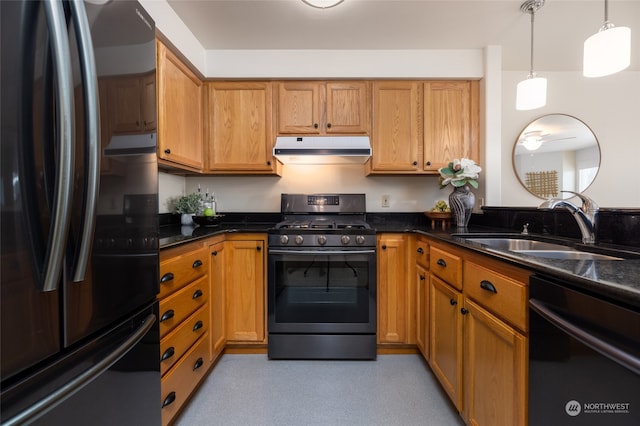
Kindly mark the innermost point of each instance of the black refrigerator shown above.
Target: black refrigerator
(79, 221)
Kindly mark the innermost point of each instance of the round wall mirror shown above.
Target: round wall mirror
(554, 153)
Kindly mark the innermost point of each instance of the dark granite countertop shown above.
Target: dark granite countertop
(615, 279)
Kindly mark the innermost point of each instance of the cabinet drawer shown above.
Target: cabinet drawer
(446, 266)
(422, 253)
(177, 307)
(178, 384)
(497, 293)
(176, 343)
(177, 271)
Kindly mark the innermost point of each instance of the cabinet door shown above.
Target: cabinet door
(299, 107)
(396, 135)
(393, 289)
(125, 105)
(495, 370)
(422, 310)
(445, 338)
(217, 300)
(179, 112)
(245, 291)
(240, 135)
(450, 122)
(347, 107)
(149, 106)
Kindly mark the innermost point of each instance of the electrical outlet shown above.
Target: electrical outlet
(384, 201)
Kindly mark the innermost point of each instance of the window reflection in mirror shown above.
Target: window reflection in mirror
(556, 152)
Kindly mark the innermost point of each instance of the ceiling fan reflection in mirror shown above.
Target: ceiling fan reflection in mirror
(534, 139)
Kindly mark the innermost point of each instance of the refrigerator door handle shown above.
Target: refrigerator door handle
(66, 391)
(66, 136)
(92, 132)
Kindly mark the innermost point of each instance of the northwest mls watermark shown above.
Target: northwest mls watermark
(574, 408)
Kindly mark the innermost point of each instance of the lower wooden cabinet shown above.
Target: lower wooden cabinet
(245, 289)
(421, 253)
(179, 382)
(217, 303)
(396, 324)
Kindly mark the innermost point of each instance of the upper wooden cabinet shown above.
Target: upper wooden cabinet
(450, 122)
(396, 139)
(321, 108)
(132, 104)
(419, 126)
(240, 134)
(180, 112)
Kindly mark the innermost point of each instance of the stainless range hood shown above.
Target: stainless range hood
(322, 149)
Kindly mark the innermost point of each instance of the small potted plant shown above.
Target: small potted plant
(187, 206)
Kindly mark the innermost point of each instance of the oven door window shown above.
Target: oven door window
(320, 288)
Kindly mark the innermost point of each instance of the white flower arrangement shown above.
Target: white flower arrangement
(460, 173)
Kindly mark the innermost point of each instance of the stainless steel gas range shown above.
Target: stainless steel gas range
(322, 279)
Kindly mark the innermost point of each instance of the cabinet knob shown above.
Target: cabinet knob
(197, 264)
(428, 163)
(196, 294)
(166, 278)
(488, 285)
(328, 125)
(415, 163)
(268, 163)
(464, 311)
(315, 125)
(258, 248)
(420, 250)
(453, 302)
(168, 353)
(198, 364)
(167, 151)
(384, 247)
(215, 253)
(169, 399)
(421, 277)
(197, 326)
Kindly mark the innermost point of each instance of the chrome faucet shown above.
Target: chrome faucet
(585, 215)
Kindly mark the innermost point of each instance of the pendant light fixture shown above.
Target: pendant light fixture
(322, 4)
(532, 92)
(607, 51)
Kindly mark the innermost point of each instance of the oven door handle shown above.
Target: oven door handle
(320, 252)
(617, 355)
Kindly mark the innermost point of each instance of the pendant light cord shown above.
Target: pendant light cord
(533, 13)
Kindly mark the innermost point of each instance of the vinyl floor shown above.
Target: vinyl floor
(252, 390)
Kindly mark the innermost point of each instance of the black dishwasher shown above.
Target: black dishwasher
(584, 357)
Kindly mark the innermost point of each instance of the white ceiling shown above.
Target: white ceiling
(561, 26)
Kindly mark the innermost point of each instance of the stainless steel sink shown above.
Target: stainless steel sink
(538, 249)
(566, 254)
(516, 244)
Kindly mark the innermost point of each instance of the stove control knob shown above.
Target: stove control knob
(360, 239)
(284, 239)
(299, 239)
(345, 239)
(322, 240)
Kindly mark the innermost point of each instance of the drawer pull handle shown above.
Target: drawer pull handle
(487, 285)
(453, 302)
(199, 362)
(196, 294)
(464, 311)
(420, 250)
(442, 263)
(168, 353)
(197, 326)
(167, 315)
(197, 264)
(166, 278)
(169, 399)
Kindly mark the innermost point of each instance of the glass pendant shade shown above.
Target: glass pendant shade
(531, 93)
(531, 144)
(607, 52)
(322, 4)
